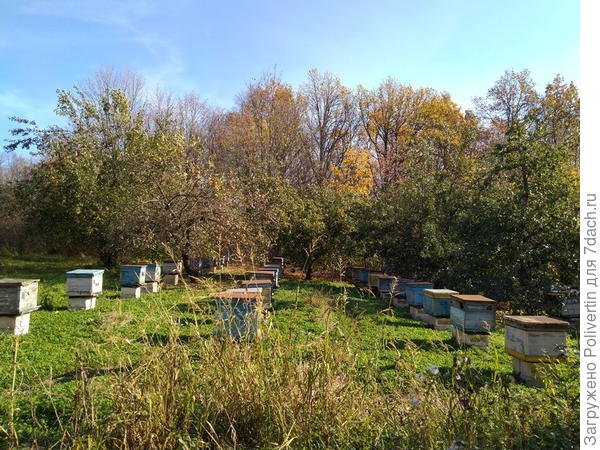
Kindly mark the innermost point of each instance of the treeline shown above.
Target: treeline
(394, 176)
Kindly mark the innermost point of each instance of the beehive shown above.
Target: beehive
(153, 272)
(131, 292)
(401, 284)
(18, 296)
(84, 282)
(415, 312)
(133, 275)
(352, 274)
(237, 315)
(414, 292)
(570, 308)
(267, 290)
(172, 267)
(274, 271)
(280, 261)
(534, 338)
(262, 275)
(374, 280)
(437, 323)
(472, 339)
(150, 288)
(363, 276)
(82, 303)
(473, 313)
(275, 267)
(436, 302)
(171, 279)
(385, 284)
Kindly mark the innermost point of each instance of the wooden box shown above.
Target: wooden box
(275, 272)
(18, 296)
(267, 290)
(437, 302)
(415, 312)
(437, 323)
(414, 292)
(172, 267)
(534, 338)
(262, 275)
(237, 315)
(275, 267)
(82, 303)
(401, 284)
(84, 282)
(151, 287)
(133, 275)
(374, 279)
(153, 272)
(473, 313)
(16, 325)
(352, 274)
(570, 308)
(386, 283)
(363, 276)
(171, 279)
(131, 291)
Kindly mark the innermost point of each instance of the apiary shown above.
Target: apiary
(151, 287)
(436, 302)
(237, 315)
(153, 273)
(172, 267)
(534, 338)
(267, 290)
(414, 292)
(473, 313)
(131, 292)
(133, 275)
(171, 279)
(18, 296)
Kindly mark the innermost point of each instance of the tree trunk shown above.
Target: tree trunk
(108, 258)
(189, 265)
(309, 270)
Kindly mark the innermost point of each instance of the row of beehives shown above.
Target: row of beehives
(530, 340)
(18, 297)
(240, 309)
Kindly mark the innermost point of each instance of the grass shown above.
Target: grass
(335, 368)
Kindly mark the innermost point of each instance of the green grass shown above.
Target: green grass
(353, 339)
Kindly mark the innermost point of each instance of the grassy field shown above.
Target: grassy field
(335, 368)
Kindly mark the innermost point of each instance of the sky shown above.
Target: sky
(215, 48)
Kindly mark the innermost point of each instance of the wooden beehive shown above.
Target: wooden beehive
(237, 315)
(150, 287)
(534, 338)
(263, 275)
(82, 303)
(84, 282)
(363, 276)
(571, 306)
(172, 267)
(385, 283)
(153, 272)
(473, 313)
(16, 325)
(18, 296)
(436, 302)
(373, 279)
(280, 261)
(401, 284)
(267, 290)
(171, 279)
(414, 292)
(275, 267)
(133, 275)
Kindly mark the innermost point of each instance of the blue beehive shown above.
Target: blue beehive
(473, 313)
(436, 302)
(363, 276)
(414, 292)
(133, 275)
(274, 266)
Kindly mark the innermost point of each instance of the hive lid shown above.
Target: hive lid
(386, 277)
(472, 298)
(84, 272)
(439, 293)
(419, 283)
(134, 265)
(536, 323)
(17, 281)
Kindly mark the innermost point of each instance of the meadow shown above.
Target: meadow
(334, 367)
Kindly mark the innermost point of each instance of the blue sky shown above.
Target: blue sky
(216, 47)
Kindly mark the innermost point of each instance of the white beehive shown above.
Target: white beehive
(534, 338)
(150, 288)
(84, 282)
(172, 267)
(171, 279)
(18, 296)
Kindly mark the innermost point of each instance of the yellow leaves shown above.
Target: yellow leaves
(354, 174)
